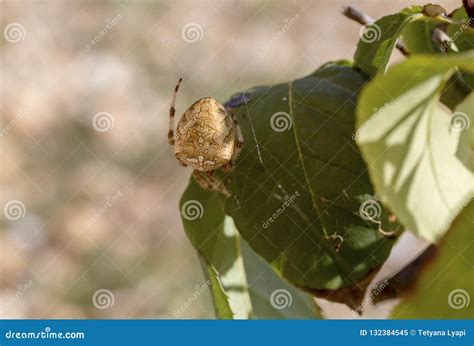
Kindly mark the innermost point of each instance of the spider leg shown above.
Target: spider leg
(228, 167)
(210, 182)
(202, 181)
(239, 139)
(217, 184)
(172, 112)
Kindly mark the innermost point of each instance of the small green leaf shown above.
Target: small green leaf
(219, 296)
(378, 41)
(417, 36)
(411, 143)
(446, 287)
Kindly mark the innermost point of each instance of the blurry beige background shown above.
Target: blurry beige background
(89, 187)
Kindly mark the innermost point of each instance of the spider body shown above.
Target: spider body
(207, 138)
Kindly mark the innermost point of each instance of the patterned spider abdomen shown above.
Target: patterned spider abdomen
(205, 136)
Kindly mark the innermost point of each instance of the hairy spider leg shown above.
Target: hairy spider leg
(171, 140)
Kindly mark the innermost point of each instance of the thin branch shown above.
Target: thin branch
(364, 19)
(358, 16)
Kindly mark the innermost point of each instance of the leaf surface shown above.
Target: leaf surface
(241, 283)
(445, 288)
(378, 41)
(300, 181)
(411, 143)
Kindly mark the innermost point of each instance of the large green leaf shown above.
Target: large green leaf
(300, 181)
(411, 143)
(446, 287)
(378, 40)
(242, 285)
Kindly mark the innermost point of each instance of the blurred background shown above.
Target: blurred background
(89, 186)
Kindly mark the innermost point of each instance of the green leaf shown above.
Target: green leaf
(241, 283)
(411, 144)
(213, 236)
(456, 89)
(378, 41)
(417, 36)
(466, 144)
(461, 33)
(300, 181)
(463, 36)
(219, 296)
(272, 297)
(446, 287)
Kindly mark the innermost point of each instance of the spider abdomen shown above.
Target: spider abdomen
(205, 136)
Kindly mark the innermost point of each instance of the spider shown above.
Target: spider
(208, 137)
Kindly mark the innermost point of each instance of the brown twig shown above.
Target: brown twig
(364, 19)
